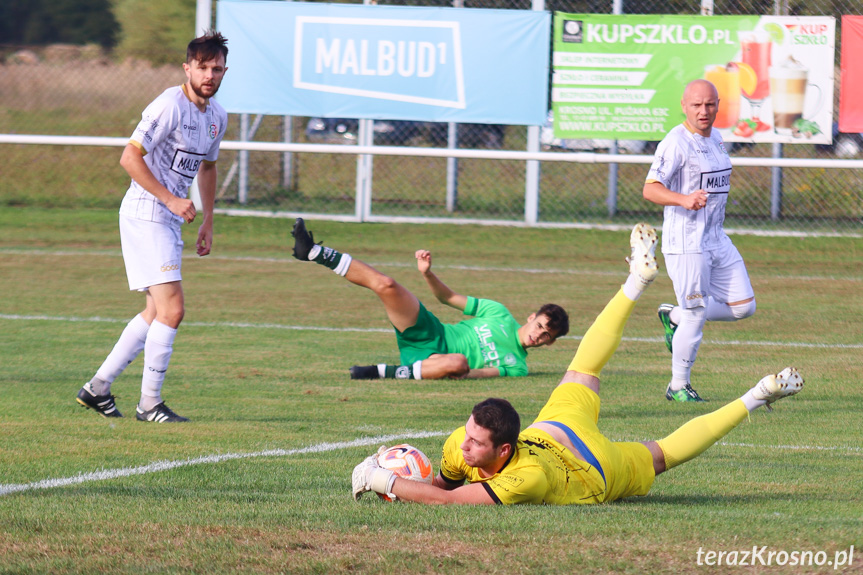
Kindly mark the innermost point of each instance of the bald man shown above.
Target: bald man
(690, 176)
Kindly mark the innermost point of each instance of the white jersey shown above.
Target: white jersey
(684, 163)
(175, 137)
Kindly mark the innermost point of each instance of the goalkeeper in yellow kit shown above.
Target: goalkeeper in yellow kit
(562, 458)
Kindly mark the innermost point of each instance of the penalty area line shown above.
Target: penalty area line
(159, 466)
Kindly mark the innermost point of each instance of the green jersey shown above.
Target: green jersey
(489, 339)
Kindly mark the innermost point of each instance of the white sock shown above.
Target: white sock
(678, 383)
(633, 287)
(418, 369)
(674, 315)
(313, 253)
(684, 347)
(382, 370)
(157, 355)
(750, 402)
(344, 265)
(127, 348)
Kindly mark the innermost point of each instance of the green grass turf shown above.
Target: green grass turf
(252, 382)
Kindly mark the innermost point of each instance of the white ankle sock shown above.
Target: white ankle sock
(633, 287)
(750, 402)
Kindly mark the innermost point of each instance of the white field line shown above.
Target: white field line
(244, 325)
(159, 466)
(291, 261)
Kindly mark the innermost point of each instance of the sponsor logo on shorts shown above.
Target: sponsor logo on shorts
(693, 296)
(169, 267)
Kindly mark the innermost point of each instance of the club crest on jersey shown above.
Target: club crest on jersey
(186, 163)
(213, 131)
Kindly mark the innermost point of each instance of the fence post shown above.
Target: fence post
(243, 156)
(452, 168)
(532, 167)
(776, 185)
(780, 8)
(365, 166)
(452, 163)
(288, 157)
(203, 16)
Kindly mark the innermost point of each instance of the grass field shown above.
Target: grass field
(259, 480)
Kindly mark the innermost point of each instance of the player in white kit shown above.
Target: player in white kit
(690, 176)
(178, 138)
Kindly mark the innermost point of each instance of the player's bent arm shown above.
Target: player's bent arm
(473, 494)
(440, 290)
(133, 162)
(658, 194)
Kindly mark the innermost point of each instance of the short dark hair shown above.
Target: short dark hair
(500, 418)
(207, 47)
(558, 319)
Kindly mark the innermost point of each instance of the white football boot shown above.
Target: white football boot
(642, 255)
(772, 388)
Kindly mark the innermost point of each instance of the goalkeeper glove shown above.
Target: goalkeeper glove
(370, 476)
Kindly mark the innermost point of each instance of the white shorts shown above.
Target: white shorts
(720, 274)
(153, 252)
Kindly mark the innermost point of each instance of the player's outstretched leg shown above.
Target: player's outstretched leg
(604, 335)
(696, 435)
(305, 249)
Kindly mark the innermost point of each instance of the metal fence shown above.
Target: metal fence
(68, 90)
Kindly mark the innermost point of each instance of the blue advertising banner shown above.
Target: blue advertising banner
(385, 62)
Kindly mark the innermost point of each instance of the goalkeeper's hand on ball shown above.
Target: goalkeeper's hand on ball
(370, 476)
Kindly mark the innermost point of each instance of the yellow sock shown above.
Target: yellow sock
(696, 435)
(601, 340)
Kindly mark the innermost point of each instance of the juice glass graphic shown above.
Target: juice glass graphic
(755, 52)
(727, 82)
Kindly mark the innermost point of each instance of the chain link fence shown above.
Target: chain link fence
(72, 90)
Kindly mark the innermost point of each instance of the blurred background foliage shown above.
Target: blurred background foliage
(151, 30)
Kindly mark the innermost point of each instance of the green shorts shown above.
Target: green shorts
(426, 337)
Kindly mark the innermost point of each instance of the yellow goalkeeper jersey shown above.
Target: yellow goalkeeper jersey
(540, 471)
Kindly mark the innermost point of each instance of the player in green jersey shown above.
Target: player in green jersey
(491, 343)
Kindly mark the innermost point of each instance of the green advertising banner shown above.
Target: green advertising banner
(622, 76)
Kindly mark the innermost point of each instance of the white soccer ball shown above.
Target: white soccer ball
(408, 462)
